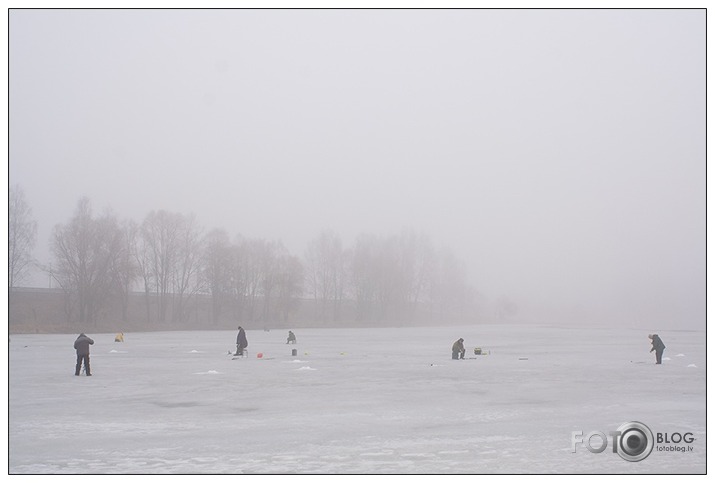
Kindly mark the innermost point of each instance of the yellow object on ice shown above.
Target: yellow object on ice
(119, 337)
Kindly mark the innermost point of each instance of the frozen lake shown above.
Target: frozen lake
(352, 401)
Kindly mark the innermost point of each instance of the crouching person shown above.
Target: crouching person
(458, 349)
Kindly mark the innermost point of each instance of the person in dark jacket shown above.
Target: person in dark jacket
(658, 347)
(291, 337)
(241, 341)
(82, 346)
(458, 349)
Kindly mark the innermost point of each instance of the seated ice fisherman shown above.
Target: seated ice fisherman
(458, 349)
(291, 338)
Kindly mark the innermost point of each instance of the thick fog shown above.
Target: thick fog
(559, 153)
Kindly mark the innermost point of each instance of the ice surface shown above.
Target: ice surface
(377, 401)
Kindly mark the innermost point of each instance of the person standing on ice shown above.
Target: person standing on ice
(658, 347)
(82, 346)
(241, 341)
(458, 349)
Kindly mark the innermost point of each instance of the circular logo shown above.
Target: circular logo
(635, 441)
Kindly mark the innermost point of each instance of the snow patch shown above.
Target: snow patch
(117, 352)
(692, 365)
(306, 368)
(208, 372)
(680, 355)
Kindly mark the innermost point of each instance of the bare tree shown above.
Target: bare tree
(160, 233)
(418, 260)
(388, 278)
(363, 270)
(142, 254)
(449, 291)
(126, 270)
(393, 277)
(325, 274)
(217, 269)
(290, 284)
(314, 277)
(186, 271)
(241, 278)
(268, 261)
(378, 281)
(252, 254)
(86, 250)
(22, 235)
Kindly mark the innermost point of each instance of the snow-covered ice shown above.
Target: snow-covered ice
(376, 401)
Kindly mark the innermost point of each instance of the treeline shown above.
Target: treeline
(100, 260)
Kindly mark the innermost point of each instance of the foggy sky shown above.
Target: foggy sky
(559, 153)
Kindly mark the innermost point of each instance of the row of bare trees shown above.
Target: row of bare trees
(100, 261)
(393, 278)
(254, 278)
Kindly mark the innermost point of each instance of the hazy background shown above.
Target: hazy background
(559, 153)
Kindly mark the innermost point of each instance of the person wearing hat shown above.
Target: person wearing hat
(458, 349)
(241, 341)
(82, 346)
(291, 337)
(658, 347)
